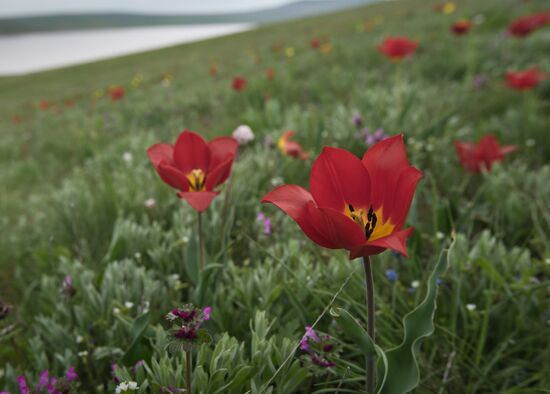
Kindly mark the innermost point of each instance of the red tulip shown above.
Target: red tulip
(397, 48)
(44, 105)
(315, 43)
(461, 27)
(116, 93)
(269, 74)
(238, 84)
(475, 157)
(357, 205)
(291, 148)
(524, 80)
(522, 27)
(194, 167)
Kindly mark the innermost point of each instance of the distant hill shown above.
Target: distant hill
(293, 10)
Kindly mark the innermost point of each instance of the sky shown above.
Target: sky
(9, 8)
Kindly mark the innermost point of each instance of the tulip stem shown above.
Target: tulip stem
(369, 283)
(201, 243)
(188, 375)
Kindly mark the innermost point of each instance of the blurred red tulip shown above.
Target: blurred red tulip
(116, 93)
(269, 74)
(475, 157)
(315, 43)
(353, 204)
(44, 105)
(213, 70)
(461, 27)
(16, 119)
(194, 167)
(522, 27)
(397, 48)
(524, 80)
(291, 148)
(238, 84)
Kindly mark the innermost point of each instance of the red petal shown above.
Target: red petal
(338, 178)
(161, 152)
(173, 176)
(508, 149)
(219, 174)
(294, 201)
(396, 242)
(220, 149)
(338, 228)
(191, 152)
(403, 195)
(466, 153)
(384, 162)
(199, 201)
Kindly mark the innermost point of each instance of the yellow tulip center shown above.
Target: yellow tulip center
(372, 222)
(197, 180)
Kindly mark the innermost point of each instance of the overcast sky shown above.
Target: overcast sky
(36, 7)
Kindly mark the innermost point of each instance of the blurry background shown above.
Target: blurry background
(38, 35)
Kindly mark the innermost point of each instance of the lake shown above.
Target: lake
(27, 53)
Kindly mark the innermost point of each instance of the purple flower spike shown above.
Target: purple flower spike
(23, 388)
(206, 313)
(43, 381)
(71, 375)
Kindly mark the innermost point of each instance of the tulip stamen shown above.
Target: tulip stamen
(366, 221)
(197, 180)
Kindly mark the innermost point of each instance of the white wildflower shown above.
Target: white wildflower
(471, 307)
(127, 157)
(150, 203)
(415, 284)
(129, 305)
(243, 134)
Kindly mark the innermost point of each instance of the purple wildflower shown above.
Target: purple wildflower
(317, 348)
(23, 388)
(206, 313)
(480, 81)
(67, 288)
(356, 119)
(377, 136)
(43, 381)
(265, 221)
(71, 375)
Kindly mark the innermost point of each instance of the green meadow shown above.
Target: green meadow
(80, 198)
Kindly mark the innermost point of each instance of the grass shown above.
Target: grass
(72, 205)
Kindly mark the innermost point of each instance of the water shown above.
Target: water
(26, 53)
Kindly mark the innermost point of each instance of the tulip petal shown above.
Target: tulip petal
(403, 195)
(338, 228)
(297, 203)
(338, 178)
(396, 242)
(220, 149)
(466, 153)
(161, 153)
(191, 152)
(199, 201)
(508, 149)
(172, 176)
(384, 162)
(219, 174)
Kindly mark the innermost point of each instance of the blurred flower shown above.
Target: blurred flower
(136, 81)
(128, 305)
(136, 366)
(5, 310)
(415, 284)
(150, 203)
(23, 387)
(67, 288)
(291, 148)
(357, 119)
(269, 74)
(315, 43)
(471, 307)
(16, 119)
(475, 157)
(524, 80)
(266, 222)
(194, 167)
(447, 7)
(126, 387)
(461, 27)
(391, 275)
(289, 52)
(44, 105)
(167, 80)
(71, 375)
(127, 157)
(83, 353)
(317, 348)
(238, 84)
(213, 70)
(243, 134)
(397, 48)
(343, 211)
(522, 27)
(69, 103)
(326, 48)
(52, 385)
(480, 81)
(116, 93)
(374, 138)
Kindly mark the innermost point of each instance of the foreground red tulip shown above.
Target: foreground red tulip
(238, 84)
(525, 25)
(461, 27)
(194, 167)
(475, 157)
(291, 148)
(397, 48)
(116, 93)
(524, 80)
(358, 205)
